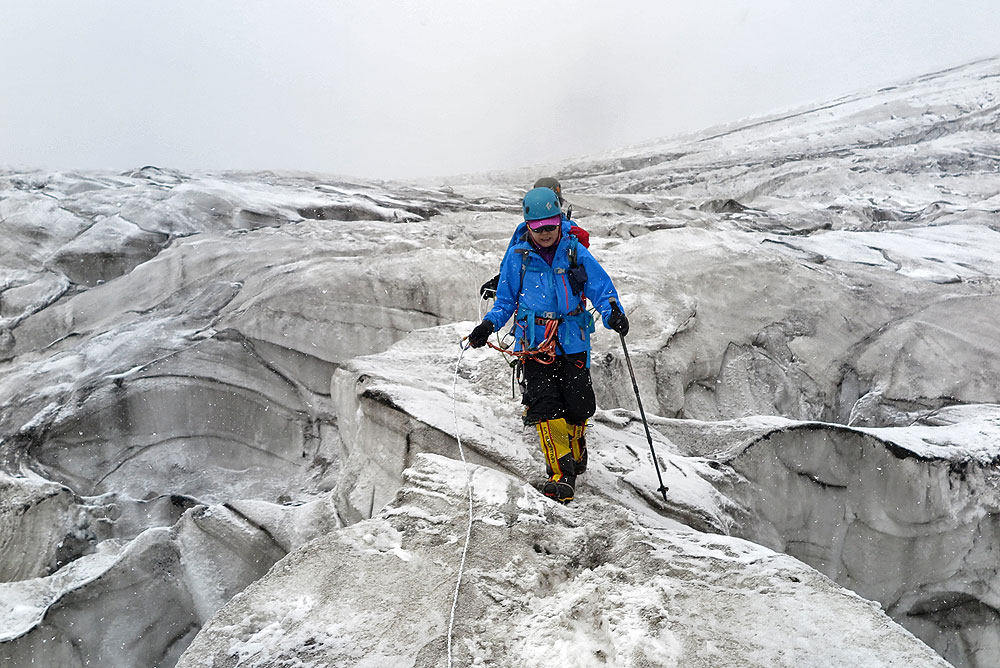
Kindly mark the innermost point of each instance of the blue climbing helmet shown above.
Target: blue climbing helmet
(539, 203)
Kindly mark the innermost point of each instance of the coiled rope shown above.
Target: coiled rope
(468, 481)
(545, 353)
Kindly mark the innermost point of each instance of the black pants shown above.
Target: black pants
(562, 389)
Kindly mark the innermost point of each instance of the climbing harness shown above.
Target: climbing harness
(468, 482)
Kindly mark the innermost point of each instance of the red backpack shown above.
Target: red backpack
(582, 235)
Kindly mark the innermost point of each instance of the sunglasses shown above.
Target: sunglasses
(545, 229)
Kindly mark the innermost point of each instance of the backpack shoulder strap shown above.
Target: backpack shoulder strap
(574, 245)
(524, 269)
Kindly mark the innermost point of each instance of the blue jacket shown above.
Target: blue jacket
(545, 293)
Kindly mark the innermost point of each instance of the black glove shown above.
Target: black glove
(489, 289)
(617, 321)
(480, 334)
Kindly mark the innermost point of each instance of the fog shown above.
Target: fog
(409, 89)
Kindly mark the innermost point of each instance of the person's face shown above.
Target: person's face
(545, 236)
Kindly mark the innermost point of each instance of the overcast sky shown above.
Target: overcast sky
(437, 87)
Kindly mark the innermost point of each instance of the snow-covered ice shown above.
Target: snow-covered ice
(231, 407)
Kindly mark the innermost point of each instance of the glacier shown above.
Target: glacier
(238, 427)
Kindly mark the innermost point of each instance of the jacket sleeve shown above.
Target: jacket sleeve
(506, 300)
(599, 288)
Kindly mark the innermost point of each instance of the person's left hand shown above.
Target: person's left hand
(617, 321)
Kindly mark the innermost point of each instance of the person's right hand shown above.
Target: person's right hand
(480, 334)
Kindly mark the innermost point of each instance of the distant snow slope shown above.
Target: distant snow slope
(231, 407)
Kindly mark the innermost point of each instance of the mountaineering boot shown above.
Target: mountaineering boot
(561, 488)
(553, 435)
(578, 446)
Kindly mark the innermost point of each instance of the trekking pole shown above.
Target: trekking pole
(662, 489)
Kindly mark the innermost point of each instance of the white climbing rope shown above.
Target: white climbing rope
(468, 482)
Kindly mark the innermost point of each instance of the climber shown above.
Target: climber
(488, 290)
(542, 281)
